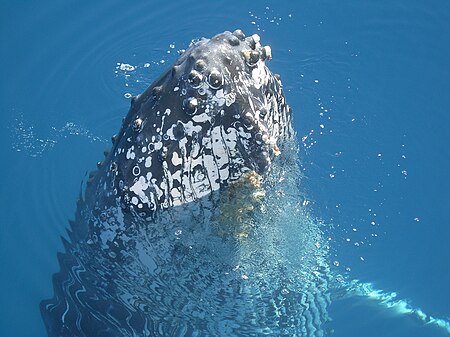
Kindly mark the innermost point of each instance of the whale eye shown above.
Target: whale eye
(190, 105)
(215, 79)
(195, 78)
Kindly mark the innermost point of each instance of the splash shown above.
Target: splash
(390, 300)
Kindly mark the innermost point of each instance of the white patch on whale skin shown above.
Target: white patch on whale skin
(176, 197)
(177, 175)
(259, 75)
(189, 128)
(159, 192)
(210, 165)
(201, 188)
(130, 153)
(148, 161)
(220, 152)
(219, 98)
(134, 200)
(139, 188)
(169, 132)
(204, 117)
(230, 98)
(176, 160)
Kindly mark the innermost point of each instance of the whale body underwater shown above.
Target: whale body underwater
(193, 223)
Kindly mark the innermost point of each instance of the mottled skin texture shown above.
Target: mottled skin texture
(215, 114)
(216, 117)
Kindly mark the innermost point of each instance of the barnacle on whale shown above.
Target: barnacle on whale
(237, 204)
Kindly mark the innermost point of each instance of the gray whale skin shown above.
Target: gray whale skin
(192, 225)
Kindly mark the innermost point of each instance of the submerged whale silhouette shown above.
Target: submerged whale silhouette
(192, 224)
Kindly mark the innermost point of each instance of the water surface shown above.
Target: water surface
(368, 82)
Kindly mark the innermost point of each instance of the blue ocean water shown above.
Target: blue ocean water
(369, 85)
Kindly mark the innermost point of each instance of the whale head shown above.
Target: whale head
(215, 115)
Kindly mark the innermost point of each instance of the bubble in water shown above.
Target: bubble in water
(126, 67)
(26, 140)
(340, 279)
(284, 291)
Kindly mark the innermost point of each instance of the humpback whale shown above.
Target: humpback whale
(193, 225)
